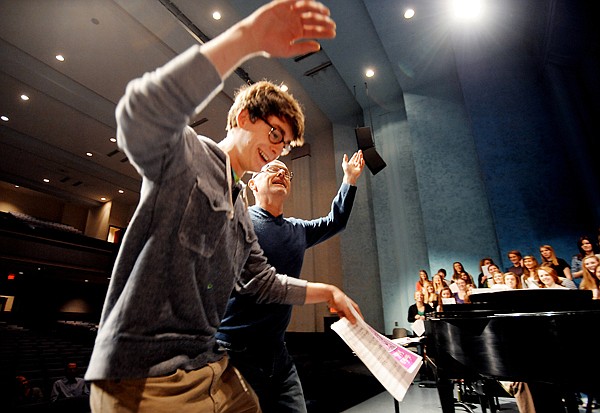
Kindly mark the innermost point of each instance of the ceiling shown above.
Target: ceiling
(106, 43)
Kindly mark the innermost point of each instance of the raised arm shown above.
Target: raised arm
(281, 28)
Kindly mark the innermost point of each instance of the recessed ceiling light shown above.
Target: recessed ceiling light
(103, 199)
(17, 186)
(369, 73)
(46, 180)
(113, 139)
(89, 154)
(409, 13)
(87, 281)
(216, 15)
(60, 58)
(4, 118)
(284, 87)
(24, 97)
(121, 191)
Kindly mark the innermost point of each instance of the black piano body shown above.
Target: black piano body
(539, 336)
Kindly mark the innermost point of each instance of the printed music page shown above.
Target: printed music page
(394, 366)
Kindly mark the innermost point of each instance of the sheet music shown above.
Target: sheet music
(394, 366)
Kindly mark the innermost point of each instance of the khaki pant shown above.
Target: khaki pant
(216, 388)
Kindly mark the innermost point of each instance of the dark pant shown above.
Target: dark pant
(273, 376)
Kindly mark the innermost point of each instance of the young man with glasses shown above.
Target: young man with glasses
(190, 241)
(253, 333)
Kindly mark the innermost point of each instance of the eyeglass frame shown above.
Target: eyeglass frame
(287, 173)
(287, 146)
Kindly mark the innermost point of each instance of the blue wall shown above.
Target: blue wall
(489, 158)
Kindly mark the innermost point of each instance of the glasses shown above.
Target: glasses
(272, 169)
(276, 136)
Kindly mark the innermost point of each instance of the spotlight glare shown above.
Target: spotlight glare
(409, 13)
(370, 73)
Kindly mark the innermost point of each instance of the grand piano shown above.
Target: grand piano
(545, 337)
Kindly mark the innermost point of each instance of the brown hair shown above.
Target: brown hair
(264, 99)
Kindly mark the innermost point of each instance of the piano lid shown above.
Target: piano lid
(523, 301)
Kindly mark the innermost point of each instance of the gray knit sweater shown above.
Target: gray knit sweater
(187, 245)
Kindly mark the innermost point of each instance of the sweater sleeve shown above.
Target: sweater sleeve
(153, 114)
(321, 229)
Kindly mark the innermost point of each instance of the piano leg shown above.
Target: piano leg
(445, 389)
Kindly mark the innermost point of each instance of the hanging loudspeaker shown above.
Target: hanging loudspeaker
(364, 139)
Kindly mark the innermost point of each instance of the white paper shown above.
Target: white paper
(418, 327)
(394, 366)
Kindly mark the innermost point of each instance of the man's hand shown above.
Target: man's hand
(286, 28)
(353, 167)
(334, 297)
(281, 28)
(341, 303)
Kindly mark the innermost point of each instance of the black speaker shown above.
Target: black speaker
(364, 139)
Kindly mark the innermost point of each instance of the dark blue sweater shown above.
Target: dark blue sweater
(284, 240)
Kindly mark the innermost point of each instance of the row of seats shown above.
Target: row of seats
(40, 356)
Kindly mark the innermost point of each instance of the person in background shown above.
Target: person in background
(458, 269)
(446, 297)
(493, 269)
(461, 274)
(70, 386)
(438, 283)
(25, 393)
(431, 297)
(462, 295)
(586, 248)
(512, 281)
(516, 259)
(560, 266)
(418, 310)
(442, 273)
(530, 278)
(254, 334)
(483, 271)
(191, 242)
(423, 279)
(498, 281)
(548, 277)
(591, 276)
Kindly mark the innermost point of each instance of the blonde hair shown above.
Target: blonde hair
(590, 281)
(264, 99)
(552, 258)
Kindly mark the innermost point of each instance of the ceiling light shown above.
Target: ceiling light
(283, 87)
(24, 97)
(113, 139)
(17, 186)
(4, 118)
(370, 73)
(103, 199)
(409, 13)
(60, 58)
(46, 180)
(467, 9)
(121, 191)
(216, 15)
(89, 154)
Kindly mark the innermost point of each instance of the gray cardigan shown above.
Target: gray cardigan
(189, 243)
